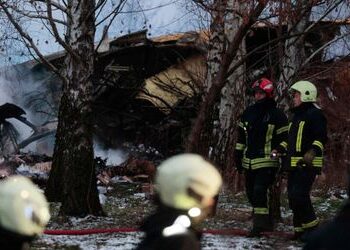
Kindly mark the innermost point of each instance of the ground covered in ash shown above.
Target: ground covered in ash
(126, 204)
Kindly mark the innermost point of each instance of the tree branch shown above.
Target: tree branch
(105, 30)
(30, 43)
(114, 12)
(219, 80)
(56, 34)
(55, 4)
(44, 18)
(322, 48)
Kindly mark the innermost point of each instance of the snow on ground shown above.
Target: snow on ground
(126, 205)
(122, 241)
(23, 168)
(126, 241)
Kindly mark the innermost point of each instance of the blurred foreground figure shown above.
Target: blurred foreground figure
(24, 213)
(333, 235)
(186, 189)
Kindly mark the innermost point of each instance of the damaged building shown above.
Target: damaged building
(147, 90)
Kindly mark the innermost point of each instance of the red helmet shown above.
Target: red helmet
(265, 85)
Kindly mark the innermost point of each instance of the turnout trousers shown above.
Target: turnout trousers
(300, 183)
(257, 184)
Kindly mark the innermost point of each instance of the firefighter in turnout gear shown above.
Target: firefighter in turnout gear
(304, 148)
(186, 189)
(261, 129)
(334, 234)
(24, 213)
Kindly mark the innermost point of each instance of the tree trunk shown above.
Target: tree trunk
(292, 58)
(73, 174)
(294, 51)
(215, 53)
(219, 81)
(232, 101)
(216, 41)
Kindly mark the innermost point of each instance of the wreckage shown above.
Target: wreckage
(38, 166)
(148, 89)
(9, 143)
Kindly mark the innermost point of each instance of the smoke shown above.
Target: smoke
(7, 93)
(16, 83)
(114, 156)
(38, 94)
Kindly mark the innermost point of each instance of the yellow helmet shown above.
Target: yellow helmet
(308, 91)
(179, 173)
(23, 207)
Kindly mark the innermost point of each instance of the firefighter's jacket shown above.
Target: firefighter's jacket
(163, 230)
(332, 235)
(10, 240)
(307, 131)
(262, 128)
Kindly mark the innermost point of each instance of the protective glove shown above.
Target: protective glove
(274, 155)
(307, 159)
(309, 156)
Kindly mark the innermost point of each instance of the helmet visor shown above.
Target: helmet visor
(258, 90)
(292, 92)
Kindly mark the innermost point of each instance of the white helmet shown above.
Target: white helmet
(176, 175)
(23, 207)
(308, 91)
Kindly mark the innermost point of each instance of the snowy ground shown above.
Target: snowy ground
(126, 205)
(126, 241)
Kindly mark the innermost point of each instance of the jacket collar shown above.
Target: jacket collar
(164, 216)
(302, 107)
(266, 103)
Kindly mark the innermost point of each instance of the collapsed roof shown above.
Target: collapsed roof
(139, 81)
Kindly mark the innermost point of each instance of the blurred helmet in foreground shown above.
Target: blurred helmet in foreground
(23, 207)
(186, 181)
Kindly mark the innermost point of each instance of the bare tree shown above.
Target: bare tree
(293, 56)
(233, 98)
(229, 89)
(248, 17)
(216, 39)
(72, 179)
(216, 48)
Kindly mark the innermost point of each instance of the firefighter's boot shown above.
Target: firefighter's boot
(297, 236)
(261, 223)
(307, 231)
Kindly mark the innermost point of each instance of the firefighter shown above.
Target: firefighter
(23, 213)
(186, 186)
(333, 235)
(304, 154)
(261, 129)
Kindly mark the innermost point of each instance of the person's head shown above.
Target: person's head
(188, 182)
(262, 88)
(24, 210)
(303, 91)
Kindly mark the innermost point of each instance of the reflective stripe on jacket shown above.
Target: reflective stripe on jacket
(262, 128)
(307, 130)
